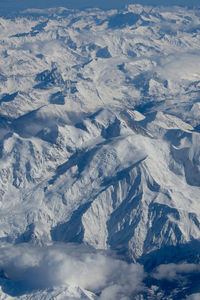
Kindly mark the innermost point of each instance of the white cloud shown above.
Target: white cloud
(174, 271)
(180, 66)
(35, 268)
(194, 297)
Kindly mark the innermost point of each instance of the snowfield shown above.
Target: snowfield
(100, 154)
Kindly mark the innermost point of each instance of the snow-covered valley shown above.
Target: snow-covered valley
(100, 154)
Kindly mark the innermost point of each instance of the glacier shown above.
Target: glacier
(99, 153)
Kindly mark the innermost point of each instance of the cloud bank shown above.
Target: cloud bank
(175, 271)
(194, 297)
(32, 268)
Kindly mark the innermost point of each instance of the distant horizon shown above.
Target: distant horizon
(10, 6)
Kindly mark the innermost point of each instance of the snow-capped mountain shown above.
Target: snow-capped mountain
(99, 153)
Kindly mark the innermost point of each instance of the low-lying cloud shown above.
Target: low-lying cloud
(33, 268)
(181, 66)
(175, 271)
(193, 297)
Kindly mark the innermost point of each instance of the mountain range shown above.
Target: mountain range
(99, 153)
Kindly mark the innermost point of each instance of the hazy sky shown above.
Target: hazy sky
(15, 5)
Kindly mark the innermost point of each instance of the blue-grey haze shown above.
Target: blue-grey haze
(7, 6)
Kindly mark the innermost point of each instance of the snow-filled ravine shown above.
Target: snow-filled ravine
(100, 154)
